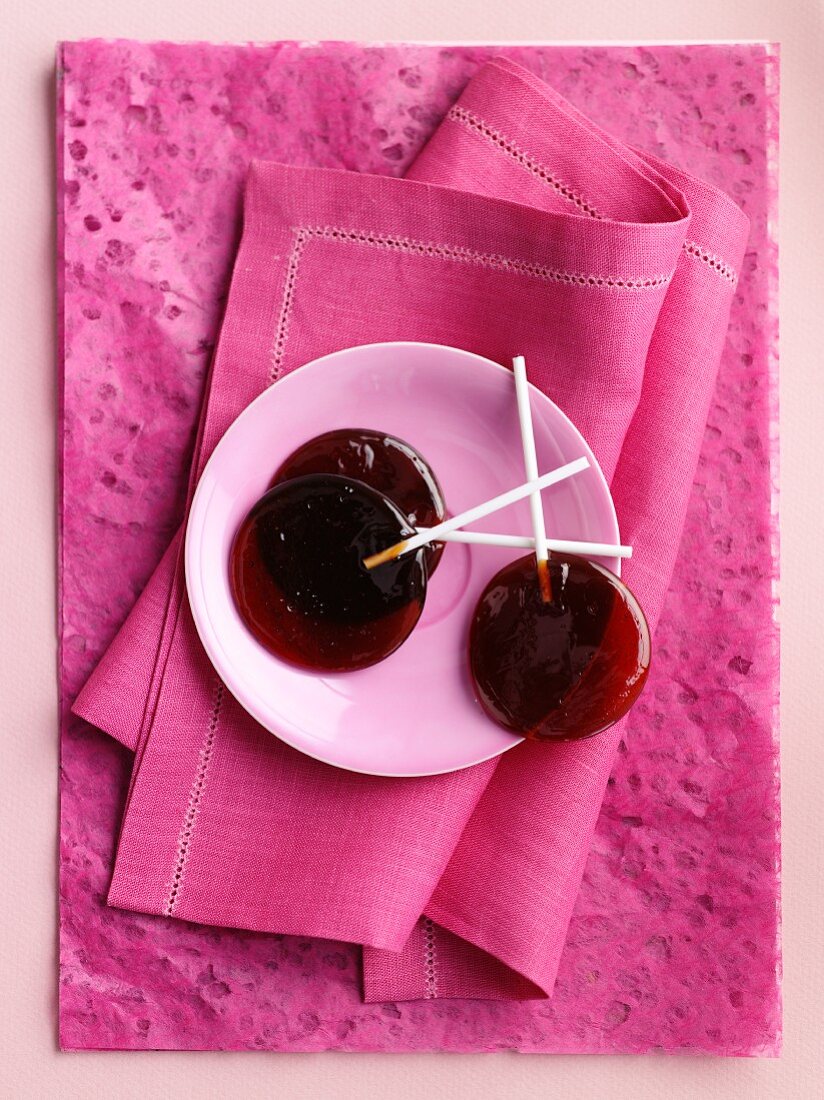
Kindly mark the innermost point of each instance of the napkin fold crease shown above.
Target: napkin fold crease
(520, 228)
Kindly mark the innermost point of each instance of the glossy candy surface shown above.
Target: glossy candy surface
(298, 580)
(561, 670)
(381, 461)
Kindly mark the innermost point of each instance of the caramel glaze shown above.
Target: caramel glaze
(561, 669)
(382, 462)
(299, 583)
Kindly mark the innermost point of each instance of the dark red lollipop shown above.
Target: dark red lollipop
(563, 669)
(298, 577)
(380, 461)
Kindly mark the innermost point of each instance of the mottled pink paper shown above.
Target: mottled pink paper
(673, 945)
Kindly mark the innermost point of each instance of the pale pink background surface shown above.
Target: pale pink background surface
(30, 1066)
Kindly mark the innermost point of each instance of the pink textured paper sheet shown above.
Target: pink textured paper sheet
(697, 807)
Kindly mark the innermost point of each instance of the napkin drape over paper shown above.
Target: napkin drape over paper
(520, 228)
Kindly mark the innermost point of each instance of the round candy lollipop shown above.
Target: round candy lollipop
(559, 647)
(299, 582)
(562, 668)
(382, 462)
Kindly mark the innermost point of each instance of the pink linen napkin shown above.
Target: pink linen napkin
(521, 225)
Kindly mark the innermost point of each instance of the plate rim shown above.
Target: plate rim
(203, 626)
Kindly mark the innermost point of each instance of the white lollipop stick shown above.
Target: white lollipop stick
(415, 542)
(526, 542)
(531, 469)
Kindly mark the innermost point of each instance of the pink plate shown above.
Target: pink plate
(415, 713)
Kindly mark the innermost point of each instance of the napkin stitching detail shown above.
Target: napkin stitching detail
(719, 266)
(282, 331)
(184, 842)
(430, 961)
(476, 124)
(496, 137)
(456, 253)
(483, 259)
